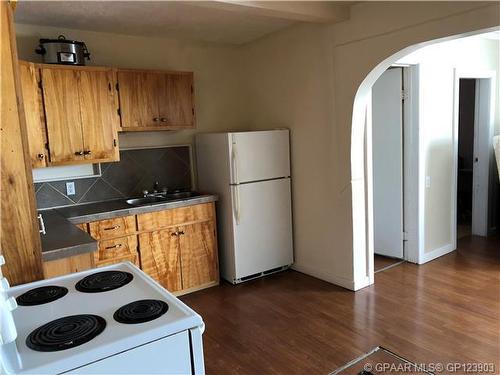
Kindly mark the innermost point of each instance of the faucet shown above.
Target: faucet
(155, 191)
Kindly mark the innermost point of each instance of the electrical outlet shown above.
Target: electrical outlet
(70, 188)
(427, 181)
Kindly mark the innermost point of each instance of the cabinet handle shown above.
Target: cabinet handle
(112, 228)
(40, 156)
(88, 152)
(79, 153)
(163, 119)
(156, 119)
(42, 224)
(180, 232)
(117, 246)
(174, 233)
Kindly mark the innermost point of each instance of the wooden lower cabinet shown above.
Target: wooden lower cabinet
(68, 265)
(160, 258)
(117, 250)
(182, 259)
(197, 244)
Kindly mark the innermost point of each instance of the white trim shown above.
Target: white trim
(412, 187)
(431, 255)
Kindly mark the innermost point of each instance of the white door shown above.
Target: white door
(387, 147)
(262, 224)
(261, 155)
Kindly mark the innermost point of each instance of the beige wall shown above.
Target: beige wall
(306, 78)
(215, 73)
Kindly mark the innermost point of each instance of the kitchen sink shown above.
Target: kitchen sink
(181, 195)
(155, 199)
(146, 200)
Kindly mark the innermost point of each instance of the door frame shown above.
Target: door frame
(479, 117)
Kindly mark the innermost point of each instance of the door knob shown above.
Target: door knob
(40, 156)
(156, 119)
(163, 119)
(79, 153)
(88, 152)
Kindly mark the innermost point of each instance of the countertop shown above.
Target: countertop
(64, 239)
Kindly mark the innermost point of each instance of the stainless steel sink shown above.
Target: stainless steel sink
(161, 198)
(181, 195)
(146, 200)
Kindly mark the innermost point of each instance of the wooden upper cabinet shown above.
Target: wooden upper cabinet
(151, 100)
(62, 111)
(35, 119)
(100, 120)
(81, 112)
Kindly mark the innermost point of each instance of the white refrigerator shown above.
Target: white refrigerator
(250, 171)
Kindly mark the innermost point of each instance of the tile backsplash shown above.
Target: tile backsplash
(136, 171)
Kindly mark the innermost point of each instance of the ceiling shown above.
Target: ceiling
(211, 21)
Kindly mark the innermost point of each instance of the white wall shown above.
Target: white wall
(437, 64)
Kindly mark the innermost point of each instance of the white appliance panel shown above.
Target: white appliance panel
(262, 224)
(387, 143)
(165, 356)
(261, 155)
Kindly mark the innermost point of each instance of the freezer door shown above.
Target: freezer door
(260, 155)
(262, 225)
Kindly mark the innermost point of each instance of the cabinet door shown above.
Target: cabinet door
(35, 120)
(198, 254)
(138, 93)
(175, 102)
(160, 258)
(99, 114)
(62, 112)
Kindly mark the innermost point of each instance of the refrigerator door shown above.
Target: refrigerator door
(262, 225)
(261, 155)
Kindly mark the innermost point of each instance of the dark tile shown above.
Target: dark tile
(81, 187)
(125, 175)
(38, 185)
(182, 152)
(146, 157)
(47, 197)
(100, 191)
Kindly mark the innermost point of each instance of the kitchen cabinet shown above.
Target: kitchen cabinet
(81, 114)
(35, 118)
(67, 265)
(19, 237)
(155, 100)
(181, 256)
(117, 240)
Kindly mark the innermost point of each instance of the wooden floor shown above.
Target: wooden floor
(381, 262)
(444, 311)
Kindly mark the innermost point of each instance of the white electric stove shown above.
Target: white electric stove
(110, 320)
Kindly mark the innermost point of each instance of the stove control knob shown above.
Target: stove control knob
(11, 304)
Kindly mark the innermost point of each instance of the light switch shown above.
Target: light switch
(70, 188)
(427, 181)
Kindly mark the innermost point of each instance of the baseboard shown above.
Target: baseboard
(427, 257)
(337, 280)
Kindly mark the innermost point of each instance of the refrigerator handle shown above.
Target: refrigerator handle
(234, 164)
(236, 204)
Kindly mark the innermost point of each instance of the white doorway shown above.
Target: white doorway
(387, 159)
(474, 98)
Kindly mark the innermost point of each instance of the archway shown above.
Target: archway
(362, 204)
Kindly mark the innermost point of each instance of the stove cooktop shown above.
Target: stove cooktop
(41, 295)
(140, 311)
(103, 281)
(65, 333)
(165, 316)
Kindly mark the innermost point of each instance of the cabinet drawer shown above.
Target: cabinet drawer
(175, 216)
(116, 249)
(112, 228)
